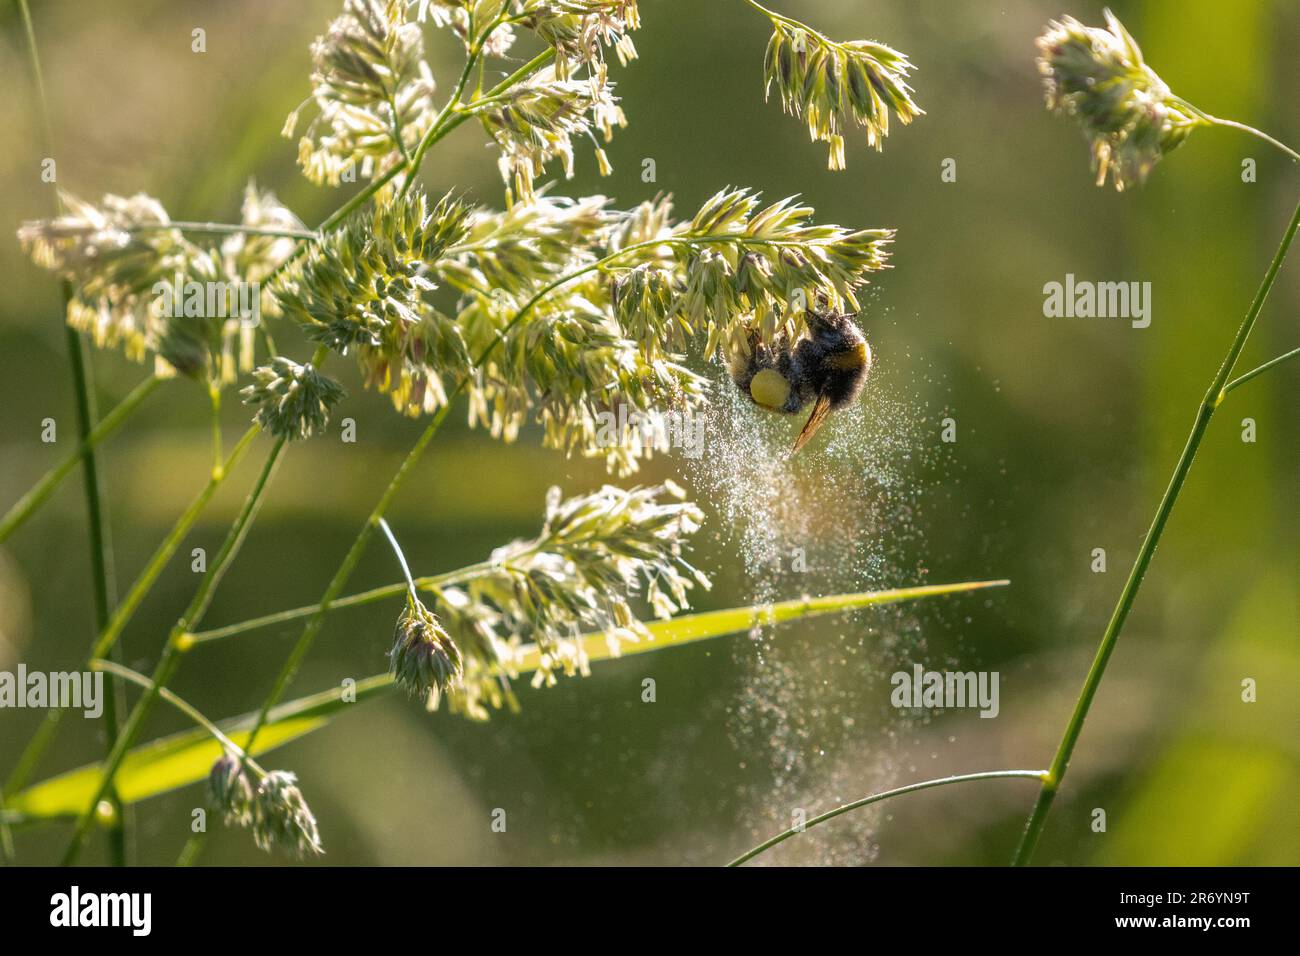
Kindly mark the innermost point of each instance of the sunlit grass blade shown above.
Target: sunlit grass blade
(697, 627)
(185, 758)
(181, 759)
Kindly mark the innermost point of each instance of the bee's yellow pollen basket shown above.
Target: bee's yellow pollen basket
(769, 389)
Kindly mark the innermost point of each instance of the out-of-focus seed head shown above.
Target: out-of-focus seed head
(1128, 114)
(282, 818)
(230, 791)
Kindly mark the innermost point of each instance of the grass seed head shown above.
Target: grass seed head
(292, 401)
(363, 290)
(833, 86)
(425, 661)
(230, 791)
(1129, 115)
(373, 90)
(282, 818)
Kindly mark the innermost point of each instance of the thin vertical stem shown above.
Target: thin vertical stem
(1055, 774)
(39, 493)
(344, 572)
(122, 614)
(440, 126)
(101, 556)
(101, 563)
(214, 400)
(178, 642)
(401, 558)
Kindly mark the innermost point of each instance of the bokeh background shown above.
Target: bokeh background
(1067, 431)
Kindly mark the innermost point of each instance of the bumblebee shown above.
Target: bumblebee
(827, 368)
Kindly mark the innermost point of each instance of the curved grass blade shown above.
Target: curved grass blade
(184, 758)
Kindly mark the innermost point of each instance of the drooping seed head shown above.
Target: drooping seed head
(834, 86)
(424, 659)
(230, 791)
(1129, 115)
(282, 818)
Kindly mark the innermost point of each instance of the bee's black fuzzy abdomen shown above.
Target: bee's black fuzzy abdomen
(830, 364)
(834, 360)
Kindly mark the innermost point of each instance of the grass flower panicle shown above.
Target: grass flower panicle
(777, 251)
(373, 90)
(639, 287)
(425, 661)
(292, 400)
(571, 368)
(1129, 115)
(736, 270)
(255, 256)
(464, 17)
(363, 290)
(579, 30)
(230, 791)
(112, 265)
(282, 818)
(135, 275)
(512, 253)
(274, 808)
(594, 553)
(834, 85)
(536, 121)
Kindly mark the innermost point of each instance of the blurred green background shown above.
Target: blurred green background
(1067, 432)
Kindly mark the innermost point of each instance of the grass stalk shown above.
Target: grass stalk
(108, 637)
(876, 798)
(178, 642)
(1243, 379)
(1260, 134)
(101, 558)
(1056, 772)
(223, 229)
(436, 131)
(27, 505)
(428, 583)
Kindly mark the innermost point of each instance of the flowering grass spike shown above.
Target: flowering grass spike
(424, 660)
(373, 90)
(292, 400)
(833, 86)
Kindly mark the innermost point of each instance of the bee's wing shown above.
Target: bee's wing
(815, 421)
